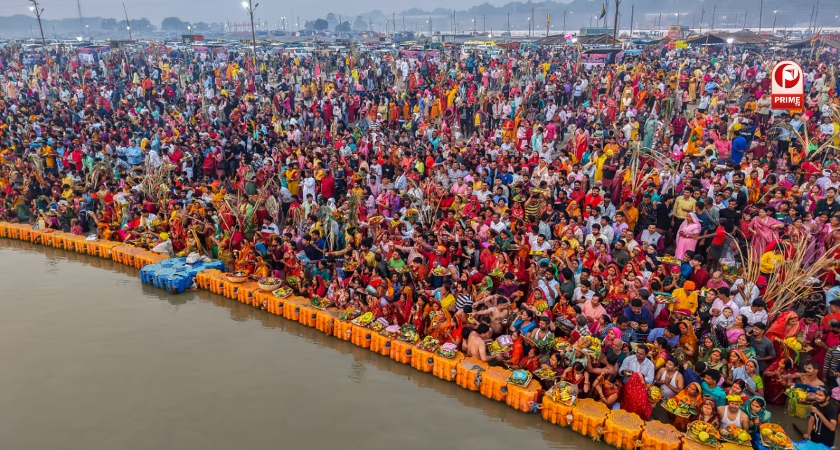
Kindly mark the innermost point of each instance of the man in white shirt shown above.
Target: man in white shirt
(744, 293)
(482, 194)
(497, 224)
(269, 228)
(640, 363)
(723, 301)
(146, 219)
(583, 293)
(827, 128)
(541, 245)
(756, 312)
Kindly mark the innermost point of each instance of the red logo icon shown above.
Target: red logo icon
(788, 86)
(787, 75)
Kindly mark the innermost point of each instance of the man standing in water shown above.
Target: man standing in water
(498, 316)
(476, 346)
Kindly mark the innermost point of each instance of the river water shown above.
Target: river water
(93, 359)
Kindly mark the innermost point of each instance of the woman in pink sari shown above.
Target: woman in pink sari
(765, 230)
(687, 236)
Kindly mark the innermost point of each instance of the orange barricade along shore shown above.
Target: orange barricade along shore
(618, 428)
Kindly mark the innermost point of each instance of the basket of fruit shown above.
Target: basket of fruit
(378, 324)
(664, 298)
(561, 344)
(429, 344)
(292, 280)
(774, 437)
(269, 284)
(541, 305)
(654, 394)
(669, 260)
(237, 277)
(391, 331)
(363, 320)
(735, 435)
(496, 348)
(440, 271)
(348, 314)
(564, 393)
(545, 374)
(350, 266)
(591, 345)
(319, 303)
(704, 433)
(283, 292)
(497, 273)
(447, 350)
(408, 333)
(375, 220)
(795, 346)
(679, 408)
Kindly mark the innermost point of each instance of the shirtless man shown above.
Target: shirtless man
(543, 329)
(811, 375)
(476, 347)
(498, 314)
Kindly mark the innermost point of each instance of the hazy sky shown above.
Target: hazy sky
(223, 10)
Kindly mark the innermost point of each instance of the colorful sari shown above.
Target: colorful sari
(688, 343)
(763, 234)
(439, 324)
(778, 332)
(762, 415)
(681, 423)
(774, 385)
(634, 397)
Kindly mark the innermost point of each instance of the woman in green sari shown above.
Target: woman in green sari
(743, 344)
(756, 409)
(717, 360)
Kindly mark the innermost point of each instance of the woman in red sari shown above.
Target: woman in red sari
(613, 275)
(581, 143)
(578, 376)
(517, 352)
(403, 306)
(785, 326)
(418, 316)
(531, 362)
(777, 378)
(634, 397)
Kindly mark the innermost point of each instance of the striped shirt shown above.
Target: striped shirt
(463, 300)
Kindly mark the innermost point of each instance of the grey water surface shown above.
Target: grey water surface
(92, 359)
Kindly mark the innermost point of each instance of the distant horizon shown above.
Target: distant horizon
(499, 16)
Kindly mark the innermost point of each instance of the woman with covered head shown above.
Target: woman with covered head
(749, 374)
(692, 398)
(785, 326)
(687, 235)
(757, 414)
(634, 397)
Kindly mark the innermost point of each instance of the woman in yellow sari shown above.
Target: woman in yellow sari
(293, 180)
(694, 143)
(440, 322)
(753, 185)
(687, 347)
(434, 112)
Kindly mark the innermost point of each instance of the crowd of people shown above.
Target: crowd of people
(651, 205)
